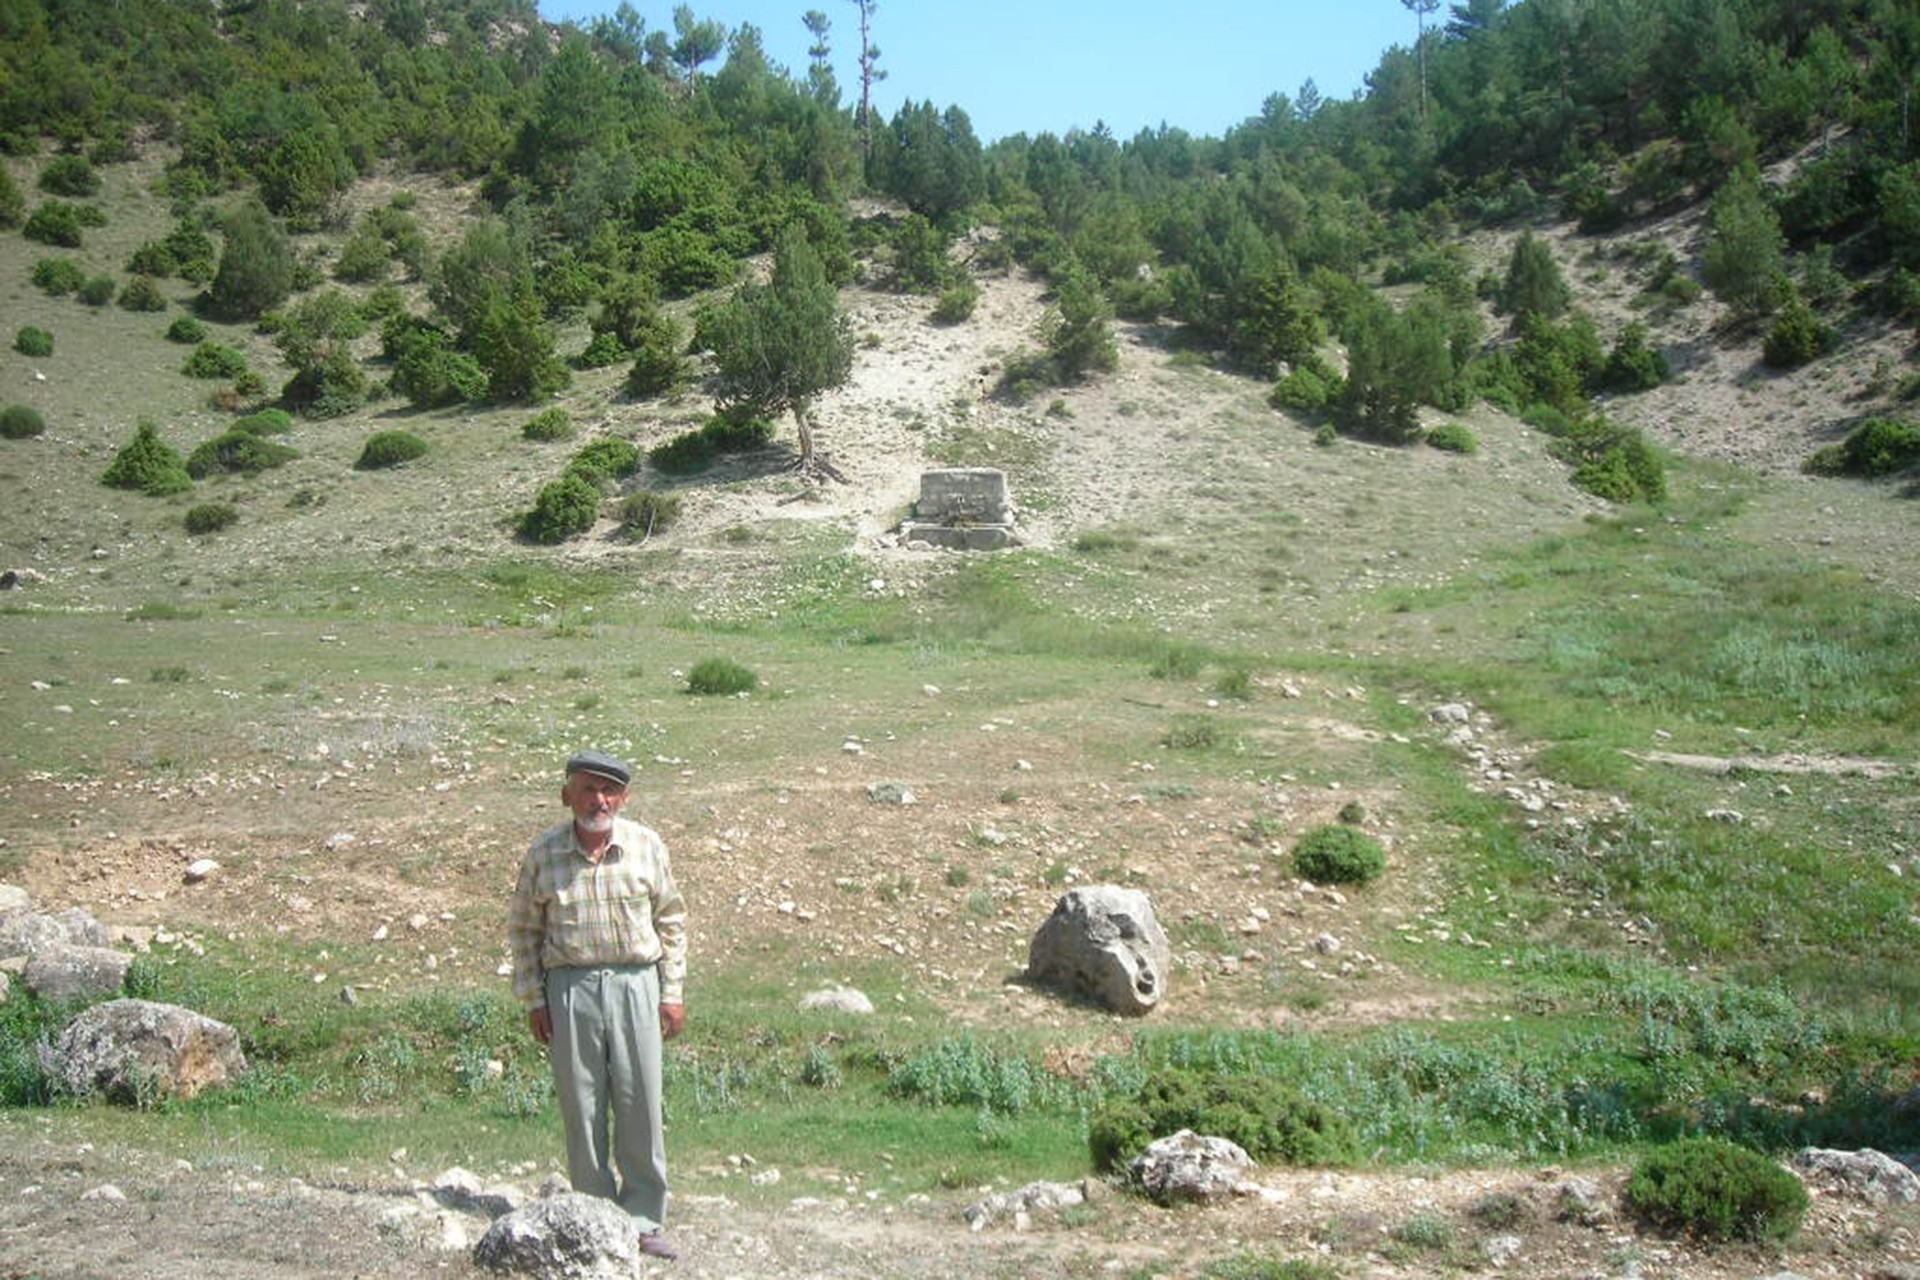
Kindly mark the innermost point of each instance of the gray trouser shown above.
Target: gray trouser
(605, 1054)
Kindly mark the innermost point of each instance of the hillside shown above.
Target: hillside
(355, 697)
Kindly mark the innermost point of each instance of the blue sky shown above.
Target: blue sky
(1032, 66)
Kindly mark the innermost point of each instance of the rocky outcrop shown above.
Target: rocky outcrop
(565, 1237)
(62, 974)
(1103, 944)
(139, 1051)
(1190, 1167)
(1866, 1175)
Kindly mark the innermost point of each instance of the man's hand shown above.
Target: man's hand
(540, 1022)
(673, 1020)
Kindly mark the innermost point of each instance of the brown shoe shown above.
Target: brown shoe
(654, 1245)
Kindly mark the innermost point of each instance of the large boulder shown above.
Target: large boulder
(1190, 1167)
(138, 1051)
(570, 1236)
(61, 974)
(1103, 944)
(24, 931)
(1866, 1174)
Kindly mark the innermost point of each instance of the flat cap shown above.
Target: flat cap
(602, 765)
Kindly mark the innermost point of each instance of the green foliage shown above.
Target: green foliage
(963, 1072)
(1453, 437)
(1265, 1115)
(1533, 286)
(142, 294)
(1798, 335)
(97, 291)
(256, 267)
(685, 454)
(1337, 854)
(55, 222)
(920, 263)
(658, 367)
(1613, 461)
(267, 422)
(213, 360)
(389, 449)
(775, 347)
(27, 1025)
(69, 175)
(956, 302)
(1717, 1190)
(649, 512)
(1275, 323)
(1307, 390)
(239, 452)
(427, 369)
(564, 508)
(547, 425)
(147, 464)
(929, 160)
(1078, 328)
(210, 517)
(13, 204)
(1632, 365)
(721, 677)
(186, 329)
(605, 460)
(21, 422)
(1877, 447)
(33, 341)
(513, 346)
(56, 277)
(1744, 261)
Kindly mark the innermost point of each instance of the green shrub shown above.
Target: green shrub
(956, 303)
(1454, 437)
(657, 364)
(1338, 855)
(55, 222)
(148, 465)
(1614, 462)
(210, 517)
(605, 460)
(1877, 447)
(1191, 733)
(389, 449)
(548, 424)
(142, 294)
(56, 277)
(648, 512)
(69, 175)
(1797, 337)
(1303, 391)
(563, 509)
(737, 432)
(214, 360)
(721, 676)
(31, 341)
(267, 422)
(1633, 365)
(186, 329)
(602, 350)
(21, 422)
(97, 291)
(1266, 1116)
(688, 452)
(237, 452)
(1717, 1190)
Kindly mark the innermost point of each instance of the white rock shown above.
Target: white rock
(200, 868)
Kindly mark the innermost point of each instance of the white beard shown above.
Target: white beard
(598, 824)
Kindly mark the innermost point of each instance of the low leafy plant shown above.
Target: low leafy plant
(21, 422)
(648, 512)
(57, 276)
(1265, 1115)
(32, 341)
(956, 303)
(565, 508)
(1877, 447)
(214, 360)
(97, 291)
(186, 329)
(548, 424)
(237, 452)
(686, 453)
(55, 222)
(721, 676)
(605, 460)
(1334, 854)
(210, 517)
(1717, 1190)
(1454, 437)
(265, 422)
(389, 449)
(142, 294)
(147, 464)
(1191, 733)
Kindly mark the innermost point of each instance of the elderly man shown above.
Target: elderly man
(598, 931)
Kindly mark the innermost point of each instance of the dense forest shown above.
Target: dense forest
(631, 162)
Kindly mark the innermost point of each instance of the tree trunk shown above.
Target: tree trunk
(805, 425)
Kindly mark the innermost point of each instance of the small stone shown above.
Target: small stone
(200, 869)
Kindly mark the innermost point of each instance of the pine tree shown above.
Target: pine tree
(256, 265)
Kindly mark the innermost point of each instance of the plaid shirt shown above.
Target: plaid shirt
(623, 909)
